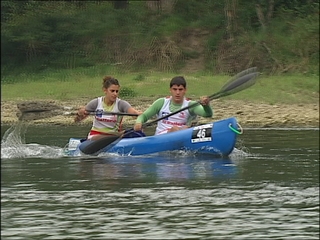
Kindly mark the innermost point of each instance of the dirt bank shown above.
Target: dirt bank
(248, 114)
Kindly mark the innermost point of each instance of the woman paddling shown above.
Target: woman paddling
(107, 124)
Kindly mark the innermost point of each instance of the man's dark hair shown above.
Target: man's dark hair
(179, 80)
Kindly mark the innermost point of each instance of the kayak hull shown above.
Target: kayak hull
(216, 138)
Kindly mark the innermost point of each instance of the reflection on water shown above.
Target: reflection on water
(158, 167)
(268, 188)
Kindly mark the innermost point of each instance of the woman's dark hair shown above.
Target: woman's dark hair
(179, 80)
(108, 81)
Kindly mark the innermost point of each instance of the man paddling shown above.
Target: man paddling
(170, 104)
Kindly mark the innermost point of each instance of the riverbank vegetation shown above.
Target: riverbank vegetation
(62, 49)
(86, 83)
(216, 37)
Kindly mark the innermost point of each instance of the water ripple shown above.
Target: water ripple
(266, 211)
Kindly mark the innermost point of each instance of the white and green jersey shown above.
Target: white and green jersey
(179, 119)
(164, 106)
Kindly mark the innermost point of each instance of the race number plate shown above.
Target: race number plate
(202, 133)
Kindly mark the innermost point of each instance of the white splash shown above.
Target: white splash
(13, 145)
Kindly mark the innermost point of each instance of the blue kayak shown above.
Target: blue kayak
(216, 138)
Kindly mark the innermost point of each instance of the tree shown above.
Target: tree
(264, 11)
(161, 5)
(120, 4)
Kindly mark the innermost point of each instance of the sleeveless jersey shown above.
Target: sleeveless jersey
(178, 119)
(106, 123)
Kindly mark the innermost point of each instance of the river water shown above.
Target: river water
(267, 189)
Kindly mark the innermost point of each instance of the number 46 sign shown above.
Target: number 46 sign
(202, 133)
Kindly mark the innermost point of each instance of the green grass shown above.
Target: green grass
(87, 83)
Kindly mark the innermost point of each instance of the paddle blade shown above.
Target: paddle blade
(32, 106)
(32, 110)
(237, 76)
(31, 116)
(237, 85)
(94, 147)
(242, 83)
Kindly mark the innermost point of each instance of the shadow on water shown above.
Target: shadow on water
(173, 166)
(111, 169)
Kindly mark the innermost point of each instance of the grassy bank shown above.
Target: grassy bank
(86, 83)
(277, 101)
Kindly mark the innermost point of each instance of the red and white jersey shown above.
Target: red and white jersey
(106, 123)
(178, 119)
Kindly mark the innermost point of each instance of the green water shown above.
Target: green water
(267, 189)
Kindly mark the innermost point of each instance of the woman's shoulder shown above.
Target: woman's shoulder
(119, 100)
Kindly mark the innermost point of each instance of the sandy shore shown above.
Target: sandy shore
(248, 114)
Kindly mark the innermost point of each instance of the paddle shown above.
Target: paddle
(239, 82)
(40, 110)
